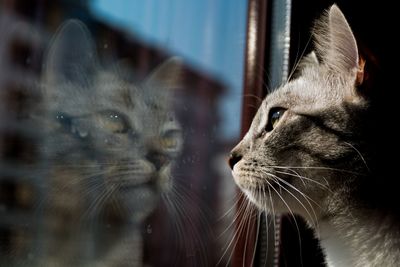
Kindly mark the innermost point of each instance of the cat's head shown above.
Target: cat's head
(303, 144)
(105, 131)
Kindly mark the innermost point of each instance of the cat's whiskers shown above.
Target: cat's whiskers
(313, 217)
(257, 234)
(272, 205)
(244, 214)
(288, 207)
(90, 182)
(97, 202)
(252, 106)
(178, 199)
(302, 178)
(176, 207)
(97, 164)
(235, 217)
(297, 175)
(264, 76)
(298, 60)
(268, 225)
(359, 153)
(186, 194)
(92, 185)
(254, 96)
(245, 211)
(240, 210)
(278, 180)
(178, 224)
(318, 168)
(60, 189)
(231, 209)
(249, 226)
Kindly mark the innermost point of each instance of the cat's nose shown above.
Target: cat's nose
(234, 158)
(158, 159)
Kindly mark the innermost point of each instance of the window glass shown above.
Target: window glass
(116, 118)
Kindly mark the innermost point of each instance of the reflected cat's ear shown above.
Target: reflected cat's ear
(125, 69)
(335, 42)
(72, 55)
(168, 75)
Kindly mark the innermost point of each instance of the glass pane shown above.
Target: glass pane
(115, 121)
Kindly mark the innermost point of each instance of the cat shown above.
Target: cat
(309, 152)
(109, 143)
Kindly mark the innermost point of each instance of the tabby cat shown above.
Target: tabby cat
(109, 142)
(309, 152)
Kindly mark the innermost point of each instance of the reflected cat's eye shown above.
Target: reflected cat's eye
(63, 120)
(114, 122)
(171, 140)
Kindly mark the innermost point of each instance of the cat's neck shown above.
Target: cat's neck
(336, 250)
(360, 238)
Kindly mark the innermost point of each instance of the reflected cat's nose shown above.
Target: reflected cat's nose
(234, 158)
(158, 159)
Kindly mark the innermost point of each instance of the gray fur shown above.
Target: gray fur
(109, 142)
(315, 162)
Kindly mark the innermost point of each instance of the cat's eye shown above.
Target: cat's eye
(64, 120)
(74, 125)
(171, 140)
(114, 122)
(275, 114)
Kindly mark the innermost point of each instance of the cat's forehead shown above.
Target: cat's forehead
(109, 89)
(305, 93)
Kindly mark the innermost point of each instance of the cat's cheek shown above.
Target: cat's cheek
(237, 177)
(143, 172)
(244, 184)
(165, 180)
(242, 180)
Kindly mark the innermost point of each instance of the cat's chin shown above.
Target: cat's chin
(139, 201)
(159, 181)
(259, 201)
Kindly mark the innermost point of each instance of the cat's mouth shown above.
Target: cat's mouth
(139, 174)
(139, 200)
(157, 181)
(134, 186)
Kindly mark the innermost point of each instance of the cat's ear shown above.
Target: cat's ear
(307, 61)
(335, 42)
(125, 69)
(71, 56)
(168, 75)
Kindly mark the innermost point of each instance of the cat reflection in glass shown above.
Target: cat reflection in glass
(109, 142)
(309, 152)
